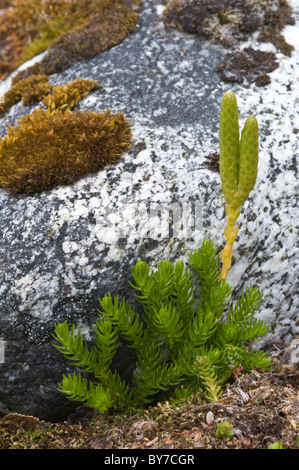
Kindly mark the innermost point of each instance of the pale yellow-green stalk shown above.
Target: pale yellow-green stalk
(238, 168)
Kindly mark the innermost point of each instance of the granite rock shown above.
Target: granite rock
(61, 250)
(291, 353)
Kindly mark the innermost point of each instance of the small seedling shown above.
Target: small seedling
(224, 430)
(276, 445)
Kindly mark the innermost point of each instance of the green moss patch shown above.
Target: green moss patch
(48, 149)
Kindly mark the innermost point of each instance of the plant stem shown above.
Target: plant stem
(230, 233)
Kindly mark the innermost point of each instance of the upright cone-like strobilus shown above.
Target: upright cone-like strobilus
(238, 168)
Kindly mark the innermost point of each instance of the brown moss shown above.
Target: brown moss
(20, 24)
(273, 23)
(30, 91)
(192, 16)
(248, 64)
(4, 4)
(226, 21)
(72, 31)
(231, 21)
(38, 88)
(263, 79)
(48, 149)
(67, 96)
(212, 162)
(221, 20)
(272, 34)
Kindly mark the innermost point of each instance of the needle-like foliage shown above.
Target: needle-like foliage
(190, 333)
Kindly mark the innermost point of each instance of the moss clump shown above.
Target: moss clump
(274, 21)
(223, 18)
(37, 87)
(226, 21)
(72, 31)
(232, 21)
(263, 79)
(48, 149)
(249, 64)
(67, 96)
(29, 90)
(272, 34)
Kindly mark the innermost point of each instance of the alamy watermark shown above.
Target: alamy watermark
(157, 221)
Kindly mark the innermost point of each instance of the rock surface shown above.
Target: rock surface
(291, 353)
(61, 250)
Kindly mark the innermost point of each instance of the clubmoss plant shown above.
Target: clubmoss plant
(238, 168)
(190, 334)
(48, 149)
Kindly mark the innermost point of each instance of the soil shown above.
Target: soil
(262, 408)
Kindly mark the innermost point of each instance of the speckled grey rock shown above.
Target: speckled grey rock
(61, 250)
(291, 353)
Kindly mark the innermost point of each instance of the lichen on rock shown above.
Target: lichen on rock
(48, 149)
